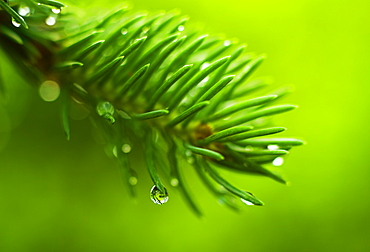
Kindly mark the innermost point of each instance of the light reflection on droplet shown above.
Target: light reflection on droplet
(56, 10)
(50, 20)
(126, 148)
(181, 28)
(188, 153)
(204, 81)
(24, 11)
(227, 42)
(124, 31)
(278, 161)
(106, 110)
(49, 91)
(204, 65)
(273, 147)
(15, 23)
(157, 196)
(247, 202)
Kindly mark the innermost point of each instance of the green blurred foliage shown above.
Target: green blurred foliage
(68, 196)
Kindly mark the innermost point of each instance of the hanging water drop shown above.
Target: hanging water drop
(278, 161)
(273, 147)
(181, 28)
(56, 10)
(247, 202)
(50, 20)
(157, 196)
(24, 11)
(106, 110)
(15, 23)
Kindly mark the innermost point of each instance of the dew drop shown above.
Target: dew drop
(132, 180)
(181, 28)
(49, 91)
(247, 202)
(227, 42)
(157, 196)
(124, 31)
(203, 82)
(174, 182)
(273, 147)
(204, 65)
(106, 110)
(56, 10)
(24, 11)
(50, 20)
(15, 23)
(188, 153)
(126, 148)
(278, 161)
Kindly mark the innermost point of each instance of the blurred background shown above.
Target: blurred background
(58, 195)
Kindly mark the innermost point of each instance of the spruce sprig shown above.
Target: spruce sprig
(151, 83)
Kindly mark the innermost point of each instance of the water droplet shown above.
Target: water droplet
(174, 182)
(50, 20)
(204, 65)
(181, 28)
(132, 180)
(247, 202)
(49, 91)
(278, 161)
(124, 31)
(24, 11)
(157, 196)
(106, 110)
(273, 147)
(15, 23)
(188, 153)
(204, 81)
(227, 42)
(126, 148)
(56, 10)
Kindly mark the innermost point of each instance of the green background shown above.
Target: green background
(68, 196)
